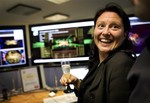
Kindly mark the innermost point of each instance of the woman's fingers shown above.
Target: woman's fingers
(68, 78)
(64, 80)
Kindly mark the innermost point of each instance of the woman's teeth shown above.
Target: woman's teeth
(105, 40)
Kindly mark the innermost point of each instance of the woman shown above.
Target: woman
(110, 60)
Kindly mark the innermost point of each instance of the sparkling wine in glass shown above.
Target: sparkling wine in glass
(65, 65)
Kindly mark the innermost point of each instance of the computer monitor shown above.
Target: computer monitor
(13, 50)
(140, 30)
(58, 41)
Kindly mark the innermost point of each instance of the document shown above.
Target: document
(30, 79)
(66, 98)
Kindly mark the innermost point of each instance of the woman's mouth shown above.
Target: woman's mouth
(105, 40)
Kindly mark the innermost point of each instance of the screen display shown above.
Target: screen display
(139, 32)
(12, 47)
(54, 42)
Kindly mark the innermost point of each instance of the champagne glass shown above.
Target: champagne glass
(65, 65)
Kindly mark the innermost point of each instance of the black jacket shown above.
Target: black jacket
(106, 83)
(139, 77)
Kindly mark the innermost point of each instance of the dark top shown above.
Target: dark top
(139, 77)
(106, 83)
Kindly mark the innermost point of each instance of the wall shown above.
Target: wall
(13, 82)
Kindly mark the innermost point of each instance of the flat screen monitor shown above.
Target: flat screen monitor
(140, 30)
(60, 41)
(13, 52)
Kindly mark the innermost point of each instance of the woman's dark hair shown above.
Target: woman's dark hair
(112, 7)
(127, 44)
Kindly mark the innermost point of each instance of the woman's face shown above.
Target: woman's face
(108, 32)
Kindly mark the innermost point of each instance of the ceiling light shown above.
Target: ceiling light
(23, 9)
(56, 17)
(58, 1)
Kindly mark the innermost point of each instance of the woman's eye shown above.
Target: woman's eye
(115, 27)
(100, 26)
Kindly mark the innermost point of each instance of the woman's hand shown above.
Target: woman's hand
(70, 79)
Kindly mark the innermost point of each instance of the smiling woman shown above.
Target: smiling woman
(109, 62)
(108, 33)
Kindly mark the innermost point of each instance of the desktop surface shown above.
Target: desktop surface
(38, 96)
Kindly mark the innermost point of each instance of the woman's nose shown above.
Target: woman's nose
(106, 31)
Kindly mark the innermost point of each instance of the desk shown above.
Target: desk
(31, 97)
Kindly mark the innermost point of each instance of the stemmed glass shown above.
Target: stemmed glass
(65, 65)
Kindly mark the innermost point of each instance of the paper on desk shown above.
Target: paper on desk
(66, 98)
